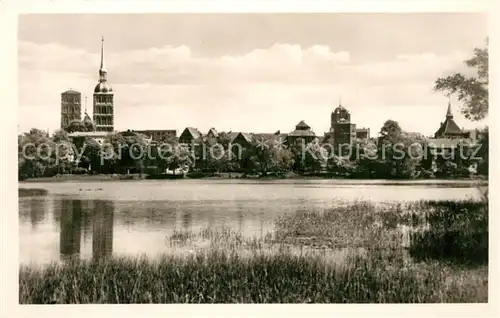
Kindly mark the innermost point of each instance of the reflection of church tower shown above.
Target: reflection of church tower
(38, 210)
(102, 229)
(187, 219)
(71, 213)
(103, 99)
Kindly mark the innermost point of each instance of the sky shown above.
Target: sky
(247, 72)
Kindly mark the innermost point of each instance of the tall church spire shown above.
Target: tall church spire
(449, 114)
(102, 69)
(102, 55)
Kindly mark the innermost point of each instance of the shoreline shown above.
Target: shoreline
(239, 176)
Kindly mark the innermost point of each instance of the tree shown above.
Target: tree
(363, 162)
(315, 157)
(176, 156)
(133, 151)
(36, 154)
(111, 152)
(91, 155)
(60, 135)
(483, 167)
(399, 153)
(390, 130)
(472, 91)
(88, 125)
(268, 154)
(75, 126)
(224, 139)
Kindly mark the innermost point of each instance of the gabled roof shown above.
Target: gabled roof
(247, 136)
(213, 132)
(232, 135)
(194, 132)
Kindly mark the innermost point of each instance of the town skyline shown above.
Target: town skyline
(261, 86)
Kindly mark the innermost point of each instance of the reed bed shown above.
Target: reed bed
(219, 276)
(455, 231)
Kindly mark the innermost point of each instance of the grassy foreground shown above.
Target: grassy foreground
(220, 276)
(443, 259)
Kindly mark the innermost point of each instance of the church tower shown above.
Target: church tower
(103, 112)
(449, 128)
(341, 128)
(71, 108)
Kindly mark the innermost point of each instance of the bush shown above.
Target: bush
(457, 231)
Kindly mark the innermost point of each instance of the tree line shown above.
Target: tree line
(132, 152)
(396, 154)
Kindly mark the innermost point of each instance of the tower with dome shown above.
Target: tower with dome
(103, 110)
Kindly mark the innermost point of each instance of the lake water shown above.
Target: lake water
(94, 219)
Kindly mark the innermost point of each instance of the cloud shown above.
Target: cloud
(264, 89)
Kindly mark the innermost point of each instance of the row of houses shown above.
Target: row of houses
(447, 138)
(302, 130)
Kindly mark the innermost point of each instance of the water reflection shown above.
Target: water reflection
(187, 219)
(34, 210)
(71, 225)
(102, 229)
(132, 218)
(93, 218)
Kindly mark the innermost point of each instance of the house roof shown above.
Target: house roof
(194, 132)
(302, 126)
(213, 132)
(91, 134)
(449, 127)
(247, 136)
(232, 135)
(445, 142)
(166, 131)
(265, 135)
(301, 133)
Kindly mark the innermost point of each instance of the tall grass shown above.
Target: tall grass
(219, 276)
(457, 232)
